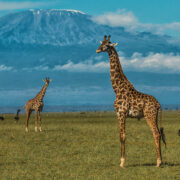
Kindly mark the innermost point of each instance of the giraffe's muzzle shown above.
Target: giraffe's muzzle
(98, 51)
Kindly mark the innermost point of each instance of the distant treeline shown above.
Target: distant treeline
(79, 108)
(170, 106)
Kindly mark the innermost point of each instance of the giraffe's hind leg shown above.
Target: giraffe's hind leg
(28, 112)
(40, 129)
(151, 117)
(36, 119)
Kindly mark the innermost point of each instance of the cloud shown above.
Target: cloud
(128, 20)
(83, 67)
(154, 62)
(158, 88)
(41, 68)
(20, 5)
(36, 68)
(115, 19)
(5, 68)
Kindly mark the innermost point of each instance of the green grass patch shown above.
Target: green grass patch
(86, 146)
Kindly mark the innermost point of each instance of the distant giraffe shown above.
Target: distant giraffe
(131, 103)
(36, 104)
(16, 118)
(1, 118)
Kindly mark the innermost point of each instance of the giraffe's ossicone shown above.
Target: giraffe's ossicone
(131, 103)
(36, 104)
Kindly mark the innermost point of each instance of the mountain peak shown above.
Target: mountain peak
(59, 11)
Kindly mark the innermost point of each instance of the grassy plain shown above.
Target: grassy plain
(85, 146)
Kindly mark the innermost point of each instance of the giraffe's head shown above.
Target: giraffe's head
(105, 45)
(47, 81)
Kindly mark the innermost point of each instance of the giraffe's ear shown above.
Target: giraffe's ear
(114, 44)
(101, 42)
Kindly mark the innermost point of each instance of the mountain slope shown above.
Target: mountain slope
(52, 27)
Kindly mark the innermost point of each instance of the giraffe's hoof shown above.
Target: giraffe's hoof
(36, 129)
(27, 130)
(159, 162)
(121, 166)
(122, 162)
(40, 129)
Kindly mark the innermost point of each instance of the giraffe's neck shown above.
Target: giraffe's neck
(116, 71)
(41, 94)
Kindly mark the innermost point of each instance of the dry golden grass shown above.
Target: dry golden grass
(86, 146)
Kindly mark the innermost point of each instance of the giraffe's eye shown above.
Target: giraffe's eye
(107, 46)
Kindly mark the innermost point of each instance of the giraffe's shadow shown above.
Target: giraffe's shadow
(13, 163)
(153, 164)
(171, 164)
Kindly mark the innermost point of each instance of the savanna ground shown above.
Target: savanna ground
(85, 146)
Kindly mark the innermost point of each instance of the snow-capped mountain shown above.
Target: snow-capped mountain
(69, 27)
(54, 37)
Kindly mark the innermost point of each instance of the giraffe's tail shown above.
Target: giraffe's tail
(161, 128)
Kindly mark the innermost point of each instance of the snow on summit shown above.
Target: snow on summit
(60, 11)
(38, 26)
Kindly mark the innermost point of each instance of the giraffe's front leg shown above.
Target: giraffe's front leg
(122, 119)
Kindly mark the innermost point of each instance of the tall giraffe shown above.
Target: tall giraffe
(36, 104)
(131, 103)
